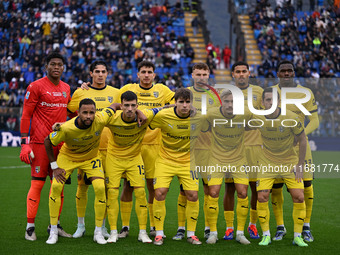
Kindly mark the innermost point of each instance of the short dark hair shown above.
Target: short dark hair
(128, 96)
(201, 66)
(97, 63)
(54, 54)
(239, 63)
(268, 90)
(283, 62)
(146, 63)
(183, 93)
(87, 101)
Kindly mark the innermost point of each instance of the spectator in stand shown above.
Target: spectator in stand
(226, 56)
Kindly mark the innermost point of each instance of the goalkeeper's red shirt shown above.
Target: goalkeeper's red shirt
(44, 104)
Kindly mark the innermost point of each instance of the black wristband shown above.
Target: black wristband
(23, 140)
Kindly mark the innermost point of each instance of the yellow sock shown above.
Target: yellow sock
(181, 207)
(229, 218)
(81, 199)
(242, 209)
(159, 212)
(309, 198)
(253, 216)
(99, 200)
(299, 215)
(264, 215)
(55, 201)
(277, 202)
(212, 213)
(112, 207)
(125, 212)
(152, 219)
(141, 207)
(205, 210)
(192, 214)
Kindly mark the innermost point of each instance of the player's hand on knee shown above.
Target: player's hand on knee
(59, 175)
(26, 154)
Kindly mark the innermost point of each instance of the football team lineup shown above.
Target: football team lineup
(114, 143)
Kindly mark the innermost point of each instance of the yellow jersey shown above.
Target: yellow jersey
(127, 137)
(81, 144)
(311, 105)
(103, 97)
(178, 135)
(253, 137)
(156, 96)
(227, 134)
(278, 137)
(204, 139)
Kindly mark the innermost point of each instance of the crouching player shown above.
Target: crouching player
(80, 150)
(279, 160)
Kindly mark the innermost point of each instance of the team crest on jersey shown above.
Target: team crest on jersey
(27, 95)
(64, 94)
(97, 133)
(282, 129)
(255, 97)
(156, 94)
(211, 101)
(193, 126)
(54, 134)
(110, 99)
(37, 169)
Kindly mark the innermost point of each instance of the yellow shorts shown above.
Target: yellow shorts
(231, 172)
(134, 169)
(149, 154)
(307, 175)
(202, 157)
(252, 155)
(166, 170)
(276, 173)
(92, 167)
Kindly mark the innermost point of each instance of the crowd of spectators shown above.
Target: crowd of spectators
(311, 40)
(119, 32)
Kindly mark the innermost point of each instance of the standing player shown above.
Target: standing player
(103, 96)
(200, 75)
(45, 103)
(253, 146)
(124, 156)
(149, 96)
(179, 131)
(280, 159)
(80, 150)
(286, 74)
(227, 152)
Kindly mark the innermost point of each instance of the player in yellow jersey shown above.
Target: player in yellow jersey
(200, 75)
(80, 150)
(103, 96)
(227, 159)
(179, 131)
(124, 156)
(253, 146)
(285, 73)
(278, 160)
(149, 96)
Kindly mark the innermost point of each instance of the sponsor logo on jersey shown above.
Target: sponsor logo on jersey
(37, 169)
(156, 94)
(53, 104)
(99, 99)
(182, 127)
(110, 99)
(56, 94)
(144, 94)
(27, 95)
(64, 94)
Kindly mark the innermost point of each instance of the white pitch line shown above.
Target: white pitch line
(6, 167)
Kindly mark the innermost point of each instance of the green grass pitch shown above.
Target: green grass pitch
(15, 181)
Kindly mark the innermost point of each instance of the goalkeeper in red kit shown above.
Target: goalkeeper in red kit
(45, 104)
